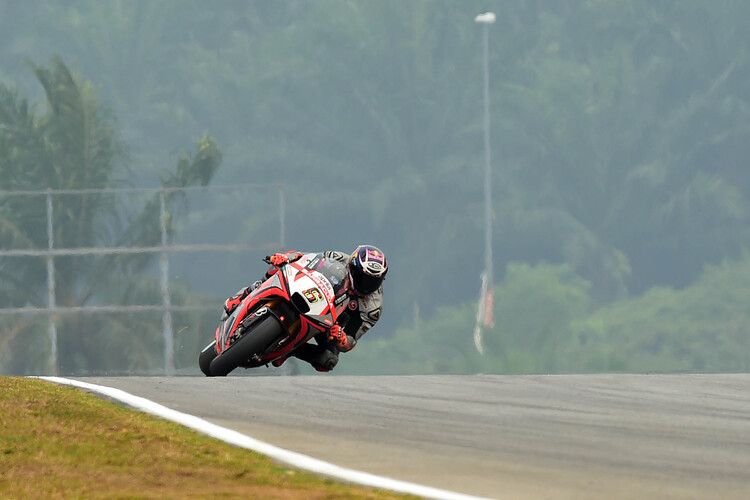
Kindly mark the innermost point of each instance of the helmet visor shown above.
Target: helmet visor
(364, 283)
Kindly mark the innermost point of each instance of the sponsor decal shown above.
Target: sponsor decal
(375, 256)
(340, 299)
(313, 263)
(353, 304)
(376, 267)
(323, 285)
(312, 295)
(335, 281)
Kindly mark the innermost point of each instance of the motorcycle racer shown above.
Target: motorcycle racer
(366, 270)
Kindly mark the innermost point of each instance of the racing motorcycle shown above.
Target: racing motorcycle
(302, 299)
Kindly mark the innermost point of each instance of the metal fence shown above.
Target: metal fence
(165, 248)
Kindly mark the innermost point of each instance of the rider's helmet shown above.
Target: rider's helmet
(367, 268)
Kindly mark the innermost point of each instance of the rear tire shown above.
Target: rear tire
(206, 356)
(268, 330)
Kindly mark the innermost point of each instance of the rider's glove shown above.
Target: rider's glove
(278, 259)
(336, 335)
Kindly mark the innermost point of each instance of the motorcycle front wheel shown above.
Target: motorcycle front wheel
(262, 335)
(206, 356)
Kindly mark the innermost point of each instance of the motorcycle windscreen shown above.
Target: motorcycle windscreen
(333, 270)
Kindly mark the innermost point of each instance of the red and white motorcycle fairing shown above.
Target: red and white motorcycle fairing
(304, 298)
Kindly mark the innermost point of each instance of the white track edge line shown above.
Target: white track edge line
(291, 458)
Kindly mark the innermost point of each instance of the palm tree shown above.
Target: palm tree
(72, 145)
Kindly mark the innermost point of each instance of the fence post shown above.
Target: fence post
(282, 216)
(51, 289)
(164, 268)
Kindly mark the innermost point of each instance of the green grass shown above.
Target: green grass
(60, 442)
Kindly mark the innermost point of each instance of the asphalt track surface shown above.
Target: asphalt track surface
(504, 437)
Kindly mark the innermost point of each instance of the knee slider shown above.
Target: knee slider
(327, 360)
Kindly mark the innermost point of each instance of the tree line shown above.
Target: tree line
(619, 134)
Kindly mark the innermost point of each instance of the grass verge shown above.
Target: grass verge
(61, 442)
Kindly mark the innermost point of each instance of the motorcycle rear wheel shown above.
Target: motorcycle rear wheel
(255, 341)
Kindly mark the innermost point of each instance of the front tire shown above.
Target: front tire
(253, 342)
(206, 356)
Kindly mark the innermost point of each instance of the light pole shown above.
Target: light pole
(484, 316)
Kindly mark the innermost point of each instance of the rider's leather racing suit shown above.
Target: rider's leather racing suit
(362, 314)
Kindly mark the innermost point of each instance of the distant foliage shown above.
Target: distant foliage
(702, 328)
(545, 324)
(619, 133)
(538, 308)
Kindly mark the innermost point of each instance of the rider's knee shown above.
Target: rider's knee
(326, 360)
